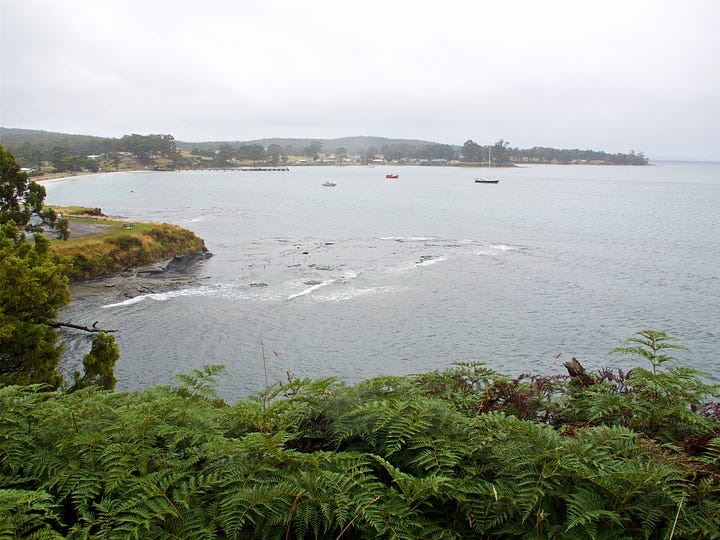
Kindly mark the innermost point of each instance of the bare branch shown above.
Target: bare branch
(92, 328)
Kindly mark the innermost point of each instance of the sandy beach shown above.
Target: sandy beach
(52, 178)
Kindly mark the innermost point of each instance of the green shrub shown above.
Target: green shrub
(126, 241)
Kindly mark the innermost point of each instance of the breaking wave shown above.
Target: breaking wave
(158, 297)
(311, 289)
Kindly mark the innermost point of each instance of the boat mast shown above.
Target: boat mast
(489, 162)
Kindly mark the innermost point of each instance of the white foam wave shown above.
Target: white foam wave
(409, 266)
(311, 289)
(429, 262)
(158, 297)
(227, 291)
(408, 238)
(502, 247)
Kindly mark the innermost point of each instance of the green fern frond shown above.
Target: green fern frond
(588, 513)
(28, 514)
(712, 455)
(202, 382)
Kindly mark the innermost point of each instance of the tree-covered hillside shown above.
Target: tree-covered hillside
(81, 152)
(70, 152)
(352, 145)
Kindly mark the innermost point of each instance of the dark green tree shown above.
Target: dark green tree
(62, 227)
(89, 164)
(21, 199)
(28, 155)
(500, 152)
(275, 153)
(99, 363)
(62, 160)
(313, 150)
(472, 152)
(437, 151)
(252, 152)
(34, 289)
(147, 147)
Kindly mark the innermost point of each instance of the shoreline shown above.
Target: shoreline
(120, 287)
(61, 177)
(157, 278)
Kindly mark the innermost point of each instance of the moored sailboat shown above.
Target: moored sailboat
(489, 179)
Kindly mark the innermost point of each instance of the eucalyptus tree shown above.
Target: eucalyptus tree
(472, 152)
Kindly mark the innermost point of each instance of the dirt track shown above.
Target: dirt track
(86, 228)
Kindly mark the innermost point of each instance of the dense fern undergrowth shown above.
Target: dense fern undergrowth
(461, 453)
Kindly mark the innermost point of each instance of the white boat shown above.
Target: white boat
(489, 179)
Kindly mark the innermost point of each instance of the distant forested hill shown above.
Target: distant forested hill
(353, 145)
(20, 140)
(77, 144)
(32, 147)
(65, 152)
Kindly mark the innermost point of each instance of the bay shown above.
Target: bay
(383, 277)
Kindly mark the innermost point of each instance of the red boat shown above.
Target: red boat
(393, 176)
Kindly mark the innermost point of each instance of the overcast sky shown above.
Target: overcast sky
(604, 75)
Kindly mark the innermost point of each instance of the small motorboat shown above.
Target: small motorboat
(329, 184)
(391, 176)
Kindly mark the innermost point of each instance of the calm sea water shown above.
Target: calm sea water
(379, 276)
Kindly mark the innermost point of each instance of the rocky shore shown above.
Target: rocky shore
(173, 274)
